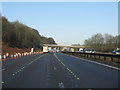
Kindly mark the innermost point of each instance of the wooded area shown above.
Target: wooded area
(16, 34)
(104, 43)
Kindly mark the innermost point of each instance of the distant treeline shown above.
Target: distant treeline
(103, 42)
(16, 34)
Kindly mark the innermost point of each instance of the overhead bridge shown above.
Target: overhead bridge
(49, 47)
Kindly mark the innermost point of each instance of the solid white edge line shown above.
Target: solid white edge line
(96, 62)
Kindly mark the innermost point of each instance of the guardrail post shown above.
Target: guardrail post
(104, 57)
(90, 56)
(94, 57)
(99, 57)
(112, 59)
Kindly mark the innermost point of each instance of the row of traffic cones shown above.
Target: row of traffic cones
(16, 55)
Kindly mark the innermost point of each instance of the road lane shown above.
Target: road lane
(15, 66)
(40, 74)
(57, 71)
(9, 67)
(61, 75)
(91, 74)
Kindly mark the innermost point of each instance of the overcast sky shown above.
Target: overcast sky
(67, 22)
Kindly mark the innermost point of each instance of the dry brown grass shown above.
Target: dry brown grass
(10, 50)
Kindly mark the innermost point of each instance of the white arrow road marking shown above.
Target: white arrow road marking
(61, 85)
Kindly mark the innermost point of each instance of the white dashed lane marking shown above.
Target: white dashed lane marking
(69, 70)
(26, 66)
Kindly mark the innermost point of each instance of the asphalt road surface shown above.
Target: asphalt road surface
(56, 70)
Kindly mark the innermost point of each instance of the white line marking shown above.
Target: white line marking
(24, 66)
(2, 82)
(2, 69)
(61, 85)
(35, 60)
(75, 76)
(18, 71)
(97, 63)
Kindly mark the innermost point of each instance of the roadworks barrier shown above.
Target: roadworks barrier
(4, 57)
(16, 55)
(0, 57)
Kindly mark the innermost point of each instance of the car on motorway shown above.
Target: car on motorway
(116, 52)
(81, 51)
(52, 51)
(89, 51)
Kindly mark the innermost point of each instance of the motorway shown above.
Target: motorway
(56, 70)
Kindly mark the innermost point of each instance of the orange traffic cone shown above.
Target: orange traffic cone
(14, 56)
(11, 56)
(0, 57)
(4, 56)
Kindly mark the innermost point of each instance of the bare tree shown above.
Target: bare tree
(101, 42)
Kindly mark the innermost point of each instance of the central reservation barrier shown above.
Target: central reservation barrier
(111, 57)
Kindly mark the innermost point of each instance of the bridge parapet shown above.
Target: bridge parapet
(47, 47)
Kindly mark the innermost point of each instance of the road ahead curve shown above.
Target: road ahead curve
(56, 70)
